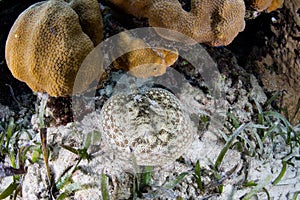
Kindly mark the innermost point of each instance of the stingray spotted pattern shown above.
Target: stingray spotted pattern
(149, 126)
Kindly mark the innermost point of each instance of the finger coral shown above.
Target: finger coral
(214, 22)
(150, 126)
(49, 41)
(145, 61)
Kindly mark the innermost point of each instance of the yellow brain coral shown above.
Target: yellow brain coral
(145, 61)
(90, 18)
(275, 5)
(138, 8)
(260, 5)
(216, 22)
(49, 41)
(268, 5)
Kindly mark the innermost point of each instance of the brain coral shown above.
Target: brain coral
(49, 41)
(144, 62)
(216, 22)
(138, 8)
(268, 5)
(149, 125)
(260, 5)
(275, 5)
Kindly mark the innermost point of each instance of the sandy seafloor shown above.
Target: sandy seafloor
(205, 148)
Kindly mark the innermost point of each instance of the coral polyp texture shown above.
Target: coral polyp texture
(215, 22)
(145, 61)
(150, 127)
(49, 41)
